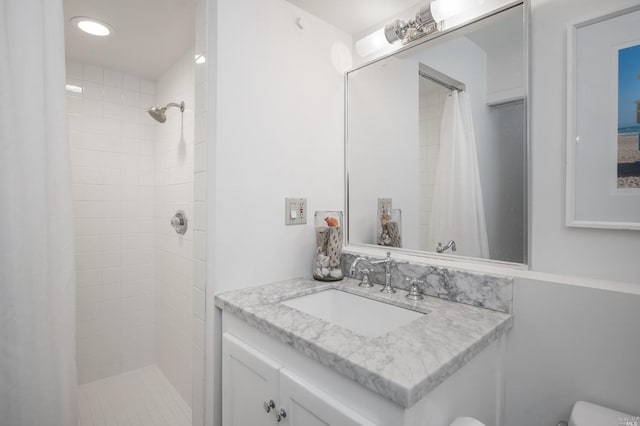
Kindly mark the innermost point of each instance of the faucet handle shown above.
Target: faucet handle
(415, 293)
(365, 283)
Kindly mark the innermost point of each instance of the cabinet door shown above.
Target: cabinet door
(249, 379)
(309, 406)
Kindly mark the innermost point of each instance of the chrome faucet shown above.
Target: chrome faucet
(450, 245)
(388, 288)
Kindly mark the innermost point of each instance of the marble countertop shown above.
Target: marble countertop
(402, 365)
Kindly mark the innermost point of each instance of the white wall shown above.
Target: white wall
(112, 174)
(174, 171)
(570, 343)
(279, 133)
(383, 139)
(605, 254)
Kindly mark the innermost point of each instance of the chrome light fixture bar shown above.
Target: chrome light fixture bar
(427, 20)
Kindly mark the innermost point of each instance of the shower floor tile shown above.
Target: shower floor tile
(142, 397)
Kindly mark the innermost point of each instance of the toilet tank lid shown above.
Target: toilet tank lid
(587, 414)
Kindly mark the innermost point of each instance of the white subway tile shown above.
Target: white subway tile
(87, 209)
(88, 175)
(112, 78)
(146, 101)
(86, 226)
(74, 122)
(111, 275)
(110, 109)
(130, 98)
(110, 208)
(74, 104)
(148, 87)
(86, 192)
(88, 243)
(74, 70)
(85, 261)
(87, 295)
(198, 303)
(92, 90)
(199, 245)
(111, 259)
(110, 226)
(130, 289)
(130, 273)
(93, 73)
(110, 291)
(87, 277)
(198, 334)
(111, 192)
(200, 186)
(112, 127)
(131, 82)
(111, 308)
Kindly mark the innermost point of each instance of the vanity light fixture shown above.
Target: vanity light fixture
(425, 22)
(92, 26)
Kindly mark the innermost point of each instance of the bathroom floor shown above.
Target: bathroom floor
(142, 397)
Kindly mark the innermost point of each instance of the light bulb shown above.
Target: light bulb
(441, 10)
(92, 26)
(371, 43)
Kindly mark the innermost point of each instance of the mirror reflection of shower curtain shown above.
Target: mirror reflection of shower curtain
(457, 211)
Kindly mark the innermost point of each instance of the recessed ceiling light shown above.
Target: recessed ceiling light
(92, 26)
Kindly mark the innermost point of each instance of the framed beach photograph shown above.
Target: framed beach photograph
(603, 122)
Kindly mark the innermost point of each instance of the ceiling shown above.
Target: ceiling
(356, 16)
(150, 35)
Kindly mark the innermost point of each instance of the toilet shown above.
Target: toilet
(582, 414)
(587, 414)
(466, 421)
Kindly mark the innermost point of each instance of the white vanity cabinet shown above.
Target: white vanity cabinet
(258, 391)
(257, 368)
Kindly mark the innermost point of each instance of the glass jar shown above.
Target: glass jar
(326, 260)
(389, 227)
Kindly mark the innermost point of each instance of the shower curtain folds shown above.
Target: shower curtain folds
(37, 276)
(458, 207)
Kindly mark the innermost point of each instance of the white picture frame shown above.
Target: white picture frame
(593, 199)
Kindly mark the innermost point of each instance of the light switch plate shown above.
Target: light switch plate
(295, 211)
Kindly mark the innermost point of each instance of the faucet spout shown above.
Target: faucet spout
(450, 245)
(387, 270)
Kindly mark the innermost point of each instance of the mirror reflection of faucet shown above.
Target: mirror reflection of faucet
(450, 245)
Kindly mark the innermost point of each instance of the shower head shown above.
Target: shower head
(159, 114)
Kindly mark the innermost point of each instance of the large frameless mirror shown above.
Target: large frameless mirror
(436, 143)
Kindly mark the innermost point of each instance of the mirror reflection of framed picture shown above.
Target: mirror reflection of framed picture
(603, 122)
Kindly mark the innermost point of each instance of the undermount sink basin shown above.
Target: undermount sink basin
(361, 315)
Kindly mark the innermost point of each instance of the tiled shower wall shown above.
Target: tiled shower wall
(174, 166)
(431, 105)
(112, 148)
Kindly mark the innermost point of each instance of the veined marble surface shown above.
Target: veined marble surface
(472, 288)
(403, 365)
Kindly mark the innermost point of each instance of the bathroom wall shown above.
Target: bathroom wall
(598, 253)
(174, 173)
(387, 94)
(279, 133)
(568, 343)
(112, 174)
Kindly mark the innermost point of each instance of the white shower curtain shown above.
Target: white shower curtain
(457, 211)
(37, 278)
